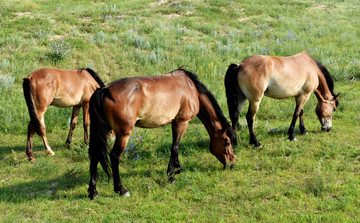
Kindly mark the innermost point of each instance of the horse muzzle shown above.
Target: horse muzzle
(326, 128)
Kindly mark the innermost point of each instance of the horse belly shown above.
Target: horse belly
(65, 102)
(153, 121)
(156, 116)
(280, 92)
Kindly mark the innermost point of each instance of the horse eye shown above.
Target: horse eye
(227, 142)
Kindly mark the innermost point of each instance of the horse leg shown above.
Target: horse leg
(115, 155)
(250, 118)
(300, 101)
(93, 175)
(48, 150)
(29, 145)
(74, 118)
(293, 122)
(178, 130)
(301, 122)
(240, 104)
(86, 121)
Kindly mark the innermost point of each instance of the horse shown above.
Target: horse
(150, 102)
(60, 88)
(279, 78)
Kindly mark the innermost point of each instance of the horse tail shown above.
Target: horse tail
(99, 129)
(94, 75)
(231, 84)
(29, 98)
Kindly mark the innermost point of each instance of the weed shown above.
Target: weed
(42, 34)
(59, 51)
(6, 82)
(99, 38)
(136, 40)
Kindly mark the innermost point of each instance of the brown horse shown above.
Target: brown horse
(279, 77)
(150, 102)
(61, 88)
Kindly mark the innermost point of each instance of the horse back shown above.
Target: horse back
(151, 101)
(278, 77)
(61, 88)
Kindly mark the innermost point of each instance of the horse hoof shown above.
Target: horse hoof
(50, 153)
(178, 171)
(92, 196)
(127, 194)
(172, 179)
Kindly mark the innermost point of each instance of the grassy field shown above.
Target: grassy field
(315, 179)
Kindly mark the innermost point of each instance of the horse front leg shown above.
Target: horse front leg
(250, 118)
(292, 125)
(300, 101)
(303, 130)
(178, 130)
(115, 155)
(74, 118)
(86, 121)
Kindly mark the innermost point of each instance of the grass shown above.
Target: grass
(315, 179)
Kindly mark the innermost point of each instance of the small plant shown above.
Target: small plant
(137, 40)
(41, 35)
(6, 82)
(98, 38)
(110, 8)
(59, 51)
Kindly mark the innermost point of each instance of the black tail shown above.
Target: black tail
(94, 75)
(28, 94)
(99, 129)
(231, 85)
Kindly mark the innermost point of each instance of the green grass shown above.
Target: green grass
(315, 179)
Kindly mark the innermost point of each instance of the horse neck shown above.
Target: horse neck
(323, 87)
(208, 117)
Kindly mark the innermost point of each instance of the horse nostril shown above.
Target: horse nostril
(328, 129)
(323, 128)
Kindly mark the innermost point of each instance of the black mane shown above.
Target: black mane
(94, 75)
(329, 80)
(203, 89)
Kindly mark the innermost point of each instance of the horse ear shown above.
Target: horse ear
(318, 95)
(336, 96)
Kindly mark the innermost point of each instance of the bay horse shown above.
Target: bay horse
(280, 77)
(60, 88)
(150, 102)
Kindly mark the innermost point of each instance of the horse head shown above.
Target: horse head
(221, 148)
(324, 110)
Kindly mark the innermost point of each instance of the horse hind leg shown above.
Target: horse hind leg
(42, 134)
(250, 117)
(29, 144)
(74, 118)
(240, 104)
(115, 155)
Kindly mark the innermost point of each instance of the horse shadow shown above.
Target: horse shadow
(7, 150)
(50, 189)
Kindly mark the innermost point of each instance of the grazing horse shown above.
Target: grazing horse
(279, 77)
(61, 88)
(150, 102)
